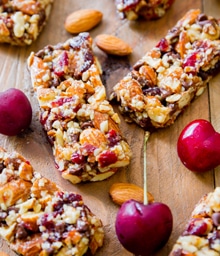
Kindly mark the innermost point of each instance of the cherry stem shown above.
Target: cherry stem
(146, 137)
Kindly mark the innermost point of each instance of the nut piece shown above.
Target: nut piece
(112, 45)
(122, 192)
(93, 137)
(82, 20)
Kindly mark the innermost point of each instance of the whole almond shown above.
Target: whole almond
(122, 192)
(112, 45)
(82, 20)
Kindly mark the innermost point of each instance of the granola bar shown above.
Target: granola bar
(174, 72)
(147, 9)
(75, 113)
(21, 21)
(38, 218)
(202, 233)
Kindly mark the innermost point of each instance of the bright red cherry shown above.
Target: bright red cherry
(198, 146)
(143, 229)
(15, 112)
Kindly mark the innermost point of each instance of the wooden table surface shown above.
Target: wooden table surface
(168, 180)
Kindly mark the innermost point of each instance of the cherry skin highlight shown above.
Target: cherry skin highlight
(198, 146)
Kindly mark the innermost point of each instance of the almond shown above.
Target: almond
(122, 192)
(113, 45)
(93, 137)
(82, 20)
(101, 118)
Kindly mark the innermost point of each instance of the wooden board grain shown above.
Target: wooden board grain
(168, 179)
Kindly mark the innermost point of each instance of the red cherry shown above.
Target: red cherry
(198, 146)
(15, 112)
(143, 229)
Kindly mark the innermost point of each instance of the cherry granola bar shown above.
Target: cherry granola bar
(202, 234)
(80, 123)
(169, 76)
(147, 9)
(21, 21)
(38, 218)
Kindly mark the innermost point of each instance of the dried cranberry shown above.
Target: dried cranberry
(71, 100)
(60, 194)
(77, 42)
(190, 60)
(82, 226)
(61, 101)
(42, 120)
(88, 61)
(61, 64)
(77, 158)
(42, 17)
(58, 206)
(215, 236)
(112, 133)
(88, 149)
(113, 138)
(197, 227)
(55, 81)
(202, 46)
(47, 221)
(128, 4)
(178, 252)
(68, 197)
(60, 228)
(153, 91)
(46, 122)
(163, 45)
(84, 57)
(77, 171)
(107, 158)
(196, 57)
(77, 107)
(72, 197)
(173, 34)
(86, 125)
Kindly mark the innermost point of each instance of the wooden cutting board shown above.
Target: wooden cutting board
(168, 179)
